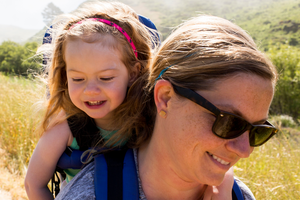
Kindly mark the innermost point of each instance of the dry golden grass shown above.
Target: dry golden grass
(271, 172)
(13, 183)
(18, 118)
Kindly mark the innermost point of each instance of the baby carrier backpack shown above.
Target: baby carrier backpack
(115, 176)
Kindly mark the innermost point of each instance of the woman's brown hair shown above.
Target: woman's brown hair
(198, 54)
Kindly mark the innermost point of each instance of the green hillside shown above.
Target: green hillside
(269, 22)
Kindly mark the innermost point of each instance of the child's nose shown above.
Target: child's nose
(92, 89)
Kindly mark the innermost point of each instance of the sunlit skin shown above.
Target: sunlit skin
(182, 144)
(97, 78)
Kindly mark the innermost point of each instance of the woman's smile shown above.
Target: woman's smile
(223, 162)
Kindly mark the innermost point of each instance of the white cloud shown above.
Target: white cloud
(27, 14)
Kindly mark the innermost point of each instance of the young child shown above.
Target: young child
(97, 55)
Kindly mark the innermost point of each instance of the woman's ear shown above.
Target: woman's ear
(162, 94)
(135, 71)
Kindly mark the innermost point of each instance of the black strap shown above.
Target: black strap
(68, 151)
(234, 197)
(115, 160)
(55, 181)
(85, 130)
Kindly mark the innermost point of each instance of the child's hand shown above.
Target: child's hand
(223, 191)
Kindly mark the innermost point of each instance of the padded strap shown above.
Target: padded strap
(115, 176)
(84, 130)
(100, 177)
(114, 161)
(70, 159)
(130, 178)
(236, 192)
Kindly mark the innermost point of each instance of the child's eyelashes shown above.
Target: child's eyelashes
(77, 79)
(100, 78)
(107, 78)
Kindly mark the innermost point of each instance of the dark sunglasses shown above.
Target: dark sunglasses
(228, 125)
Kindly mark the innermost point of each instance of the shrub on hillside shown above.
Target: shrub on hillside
(283, 121)
(19, 60)
(287, 95)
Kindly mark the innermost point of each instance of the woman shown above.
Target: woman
(204, 105)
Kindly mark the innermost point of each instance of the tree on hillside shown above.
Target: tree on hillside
(287, 95)
(19, 60)
(50, 12)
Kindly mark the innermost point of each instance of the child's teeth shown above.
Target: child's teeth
(93, 103)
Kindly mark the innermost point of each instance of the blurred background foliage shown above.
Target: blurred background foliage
(17, 59)
(274, 25)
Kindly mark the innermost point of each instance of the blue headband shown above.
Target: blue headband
(164, 70)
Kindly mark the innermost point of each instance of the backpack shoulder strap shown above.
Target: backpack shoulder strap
(115, 176)
(70, 159)
(236, 192)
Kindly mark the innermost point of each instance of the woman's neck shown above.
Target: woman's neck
(159, 178)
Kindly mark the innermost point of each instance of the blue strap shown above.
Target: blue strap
(100, 177)
(70, 160)
(130, 179)
(129, 176)
(237, 190)
(147, 22)
(47, 39)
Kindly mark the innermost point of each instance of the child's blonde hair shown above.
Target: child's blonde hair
(92, 31)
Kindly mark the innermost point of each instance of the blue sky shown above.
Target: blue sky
(27, 13)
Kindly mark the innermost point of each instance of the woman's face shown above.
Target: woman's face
(196, 154)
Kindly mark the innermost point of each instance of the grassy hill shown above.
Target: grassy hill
(269, 22)
(16, 34)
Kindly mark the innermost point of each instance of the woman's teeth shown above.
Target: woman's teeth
(219, 159)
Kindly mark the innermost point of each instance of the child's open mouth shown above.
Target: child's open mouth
(94, 103)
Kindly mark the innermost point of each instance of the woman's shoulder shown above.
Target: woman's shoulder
(248, 195)
(81, 186)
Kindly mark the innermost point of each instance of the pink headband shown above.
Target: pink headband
(114, 25)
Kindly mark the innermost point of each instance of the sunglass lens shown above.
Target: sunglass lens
(229, 126)
(259, 135)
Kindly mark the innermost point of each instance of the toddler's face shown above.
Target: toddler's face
(97, 79)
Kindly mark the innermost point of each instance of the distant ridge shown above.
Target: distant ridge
(16, 34)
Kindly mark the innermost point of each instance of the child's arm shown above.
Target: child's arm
(44, 159)
(223, 191)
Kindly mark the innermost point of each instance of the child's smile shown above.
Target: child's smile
(94, 104)
(97, 77)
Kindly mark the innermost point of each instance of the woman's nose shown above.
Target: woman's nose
(240, 145)
(92, 89)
